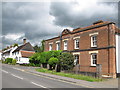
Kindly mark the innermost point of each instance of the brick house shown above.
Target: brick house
(91, 45)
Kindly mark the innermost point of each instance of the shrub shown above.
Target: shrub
(34, 58)
(67, 61)
(52, 62)
(8, 60)
(14, 62)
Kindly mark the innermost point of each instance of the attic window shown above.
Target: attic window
(66, 31)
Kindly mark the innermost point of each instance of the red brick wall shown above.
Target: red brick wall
(108, 66)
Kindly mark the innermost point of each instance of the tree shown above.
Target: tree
(67, 61)
(15, 45)
(37, 48)
(42, 45)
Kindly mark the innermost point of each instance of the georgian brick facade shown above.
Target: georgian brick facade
(95, 44)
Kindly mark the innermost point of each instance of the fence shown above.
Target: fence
(94, 71)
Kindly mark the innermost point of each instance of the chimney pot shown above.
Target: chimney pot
(24, 41)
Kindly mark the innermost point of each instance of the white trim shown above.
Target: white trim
(92, 60)
(76, 37)
(57, 41)
(50, 47)
(117, 54)
(51, 43)
(65, 48)
(76, 53)
(90, 52)
(65, 39)
(58, 46)
(96, 33)
(75, 44)
(93, 41)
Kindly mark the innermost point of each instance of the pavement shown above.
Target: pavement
(69, 82)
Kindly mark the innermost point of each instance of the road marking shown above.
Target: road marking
(18, 69)
(38, 85)
(4, 71)
(17, 76)
(60, 80)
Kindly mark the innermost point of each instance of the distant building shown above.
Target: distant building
(91, 45)
(20, 53)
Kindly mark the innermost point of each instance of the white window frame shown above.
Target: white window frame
(58, 46)
(65, 45)
(75, 43)
(76, 60)
(94, 41)
(50, 47)
(93, 59)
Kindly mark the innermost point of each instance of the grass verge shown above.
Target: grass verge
(75, 76)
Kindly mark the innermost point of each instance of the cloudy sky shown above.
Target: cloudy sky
(42, 20)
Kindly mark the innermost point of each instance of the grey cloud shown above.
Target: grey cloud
(32, 19)
(45, 20)
(64, 15)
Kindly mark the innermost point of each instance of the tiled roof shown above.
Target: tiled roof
(26, 53)
(92, 26)
(97, 24)
(26, 47)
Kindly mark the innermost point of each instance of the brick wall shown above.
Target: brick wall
(105, 56)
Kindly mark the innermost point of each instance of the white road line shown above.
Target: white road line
(17, 76)
(4, 71)
(38, 85)
(17, 68)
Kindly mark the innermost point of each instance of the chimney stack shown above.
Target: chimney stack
(24, 41)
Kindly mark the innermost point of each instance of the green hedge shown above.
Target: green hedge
(8, 60)
(14, 62)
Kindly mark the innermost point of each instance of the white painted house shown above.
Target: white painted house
(20, 53)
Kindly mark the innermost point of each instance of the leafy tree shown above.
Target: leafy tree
(37, 48)
(42, 45)
(67, 61)
(15, 45)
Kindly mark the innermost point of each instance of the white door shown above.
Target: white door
(118, 53)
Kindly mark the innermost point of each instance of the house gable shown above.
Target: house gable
(25, 47)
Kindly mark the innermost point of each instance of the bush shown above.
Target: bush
(8, 60)
(34, 58)
(67, 61)
(14, 62)
(52, 62)
(43, 57)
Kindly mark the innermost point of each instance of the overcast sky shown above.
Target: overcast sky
(43, 20)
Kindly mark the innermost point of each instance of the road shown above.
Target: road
(15, 78)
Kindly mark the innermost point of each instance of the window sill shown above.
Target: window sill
(76, 48)
(94, 47)
(93, 66)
